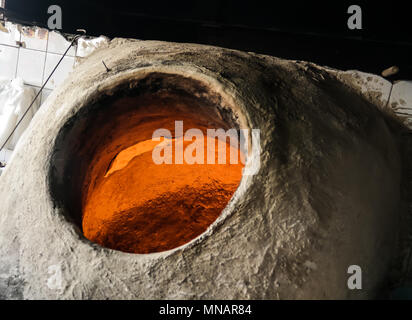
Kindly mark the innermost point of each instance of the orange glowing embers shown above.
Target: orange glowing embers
(143, 207)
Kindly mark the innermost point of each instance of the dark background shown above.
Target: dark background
(304, 30)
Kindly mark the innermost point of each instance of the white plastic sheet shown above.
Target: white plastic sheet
(15, 98)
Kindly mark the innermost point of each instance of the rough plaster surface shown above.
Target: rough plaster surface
(326, 195)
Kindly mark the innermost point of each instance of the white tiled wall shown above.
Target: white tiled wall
(61, 72)
(32, 54)
(30, 66)
(8, 61)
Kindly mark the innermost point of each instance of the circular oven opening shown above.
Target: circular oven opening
(149, 166)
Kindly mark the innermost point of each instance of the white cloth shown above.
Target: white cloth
(15, 98)
(86, 47)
